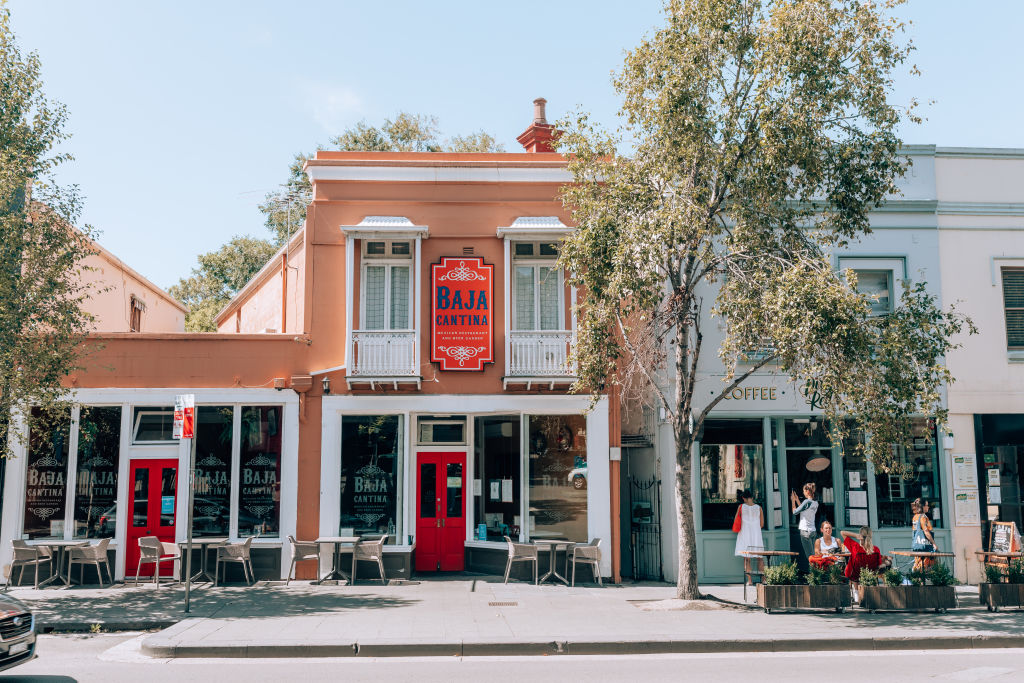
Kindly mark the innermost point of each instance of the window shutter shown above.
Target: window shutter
(1013, 302)
(524, 298)
(399, 298)
(548, 298)
(374, 298)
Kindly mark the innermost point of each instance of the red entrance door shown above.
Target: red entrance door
(152, 510)
(440, 512)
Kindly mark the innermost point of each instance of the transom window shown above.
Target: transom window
(387, 285)
(1013, 305)
(538, 290)
(153, 425)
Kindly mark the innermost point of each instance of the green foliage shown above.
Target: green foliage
(762, 137)
(893, 577)
(918, 577)
(941, 575)
(816, 576)
(219, 276)
(42, 322)
(835, 575)
(1015, 571)
(993, 573)
(782, 575)
(868, 577)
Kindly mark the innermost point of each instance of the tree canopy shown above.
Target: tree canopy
(763, 136)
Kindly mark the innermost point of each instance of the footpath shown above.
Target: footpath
(466, 616)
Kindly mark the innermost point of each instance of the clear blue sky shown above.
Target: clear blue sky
(184, 114)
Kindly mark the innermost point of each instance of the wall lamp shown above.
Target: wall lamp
(326, 381)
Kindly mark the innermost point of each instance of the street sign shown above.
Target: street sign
(184, 416)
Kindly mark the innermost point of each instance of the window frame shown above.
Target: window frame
(896, 265)
(1006, 322)
(137, 413)
(389, 262)
(535, 263)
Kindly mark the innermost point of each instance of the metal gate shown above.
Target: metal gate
(645, 528)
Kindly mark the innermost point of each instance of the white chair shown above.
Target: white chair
(587, 553)
(235, 552)
(153, 550)
(303, 550)
(521, 552)
(26, 555)
(86, 553)
(370, 551)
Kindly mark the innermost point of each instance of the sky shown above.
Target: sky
(185, 114)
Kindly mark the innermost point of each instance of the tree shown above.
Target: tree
(763, 137)
(220, 275)
(42, 321)
(285, 210)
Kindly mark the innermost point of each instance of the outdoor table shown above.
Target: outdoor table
(59, 548)
(982, 554)
(553, 544)
(767, 555)
(204, 543)
(336, 541)
(921, 554)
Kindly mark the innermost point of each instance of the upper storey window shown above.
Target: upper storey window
(538, 291)
(387, 285)
(1013, 306)
(877, 285)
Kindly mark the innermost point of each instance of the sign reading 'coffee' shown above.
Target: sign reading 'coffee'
(461, 320)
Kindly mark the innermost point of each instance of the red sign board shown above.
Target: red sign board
(461, 320)
(184, 416)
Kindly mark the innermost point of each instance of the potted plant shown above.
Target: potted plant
(996, 593)
(781, 589)
(919, 590)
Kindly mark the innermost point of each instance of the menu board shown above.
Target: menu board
(966, 511)
(965, 471)
(1001, 539)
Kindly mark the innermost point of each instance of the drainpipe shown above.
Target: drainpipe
(284, 292)
(614, 471)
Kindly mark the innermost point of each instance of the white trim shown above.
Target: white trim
(536, 228)
(385, 227)
(327, 370)
(417, 304)
(508, 305)
(439, 174)
(350, 259)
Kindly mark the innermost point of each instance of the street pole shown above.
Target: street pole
(188, 517)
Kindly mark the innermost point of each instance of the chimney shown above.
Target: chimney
(540, 134)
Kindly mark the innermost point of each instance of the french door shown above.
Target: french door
(152, 510)
(440, 512)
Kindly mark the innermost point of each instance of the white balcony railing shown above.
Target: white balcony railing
(540, 353)
(384, 354)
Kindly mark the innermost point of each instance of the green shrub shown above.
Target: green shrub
(940, 575)
(781, 575)
(993, 573)
(816, 576)
(893, 577)
(918, 577)
(868, 577)
(1015, 571)
(835, 575)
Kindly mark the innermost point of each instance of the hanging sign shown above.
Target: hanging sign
(461, 320)
(184, 416)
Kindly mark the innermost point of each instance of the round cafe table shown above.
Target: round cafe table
(553, 544)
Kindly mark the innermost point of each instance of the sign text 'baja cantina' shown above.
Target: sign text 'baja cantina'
(461, 321)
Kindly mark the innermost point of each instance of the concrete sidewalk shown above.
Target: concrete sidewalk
(480, 616)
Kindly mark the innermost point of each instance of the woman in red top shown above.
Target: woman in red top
(857, 545)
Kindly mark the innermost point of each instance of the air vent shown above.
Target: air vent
(467, 251)
(503, 604)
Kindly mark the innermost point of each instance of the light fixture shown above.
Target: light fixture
(326, 381)
(818, 463)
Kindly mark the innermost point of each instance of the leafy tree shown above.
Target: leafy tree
(42, 321)
(220, 275)
(285, 210)
(763, 136)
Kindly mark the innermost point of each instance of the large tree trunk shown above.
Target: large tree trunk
(686, 584)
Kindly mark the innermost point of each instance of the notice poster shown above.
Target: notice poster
(857, 499)
(965, 508)
(506, 490)
(993, 477)
(461, 315)
(965, 471)
(854, 480)
(857, 517)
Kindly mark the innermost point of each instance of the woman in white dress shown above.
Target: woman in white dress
(749, 536)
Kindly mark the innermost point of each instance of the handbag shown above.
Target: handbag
(737, 524)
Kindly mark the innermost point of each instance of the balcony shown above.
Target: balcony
(383, 357)
(539, 357)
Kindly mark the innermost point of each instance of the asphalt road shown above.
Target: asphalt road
(114, 657)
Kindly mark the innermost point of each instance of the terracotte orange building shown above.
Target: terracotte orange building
(398, 368)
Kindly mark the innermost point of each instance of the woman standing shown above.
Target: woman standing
(923, 540)
(807, 511)
(749, 536)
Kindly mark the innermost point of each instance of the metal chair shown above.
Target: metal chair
(369, 550)
(589, 554)
(235, 552)
(153, 550)
(86, 553)
(26, 555)
(303, 550)
(521, 552)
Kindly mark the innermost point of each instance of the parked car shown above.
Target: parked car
(17, 633)
(578, 477)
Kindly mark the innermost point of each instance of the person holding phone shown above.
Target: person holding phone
(807, 511)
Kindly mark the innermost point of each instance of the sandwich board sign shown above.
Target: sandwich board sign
(184, 416)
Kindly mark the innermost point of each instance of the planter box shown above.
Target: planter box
(996, 595)
(938, 598)
(835, 597)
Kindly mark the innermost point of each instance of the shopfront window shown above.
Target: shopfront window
(920, 479)
(855, 480)
(731, 460)
(259, 486)
(211, 510)
(370, 451)
(46, 477)
(99, 448)
(558, 477)
(498, 503)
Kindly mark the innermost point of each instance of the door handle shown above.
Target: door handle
(442, 521)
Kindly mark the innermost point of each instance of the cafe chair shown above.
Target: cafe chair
(26, 555)
(589, 554)
(521, 552)
(370, 551)
(303, 550)
(235, 552)
(154, 551)
(84, 554)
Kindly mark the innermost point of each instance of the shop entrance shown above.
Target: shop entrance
(152, 506)
(440, 512)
